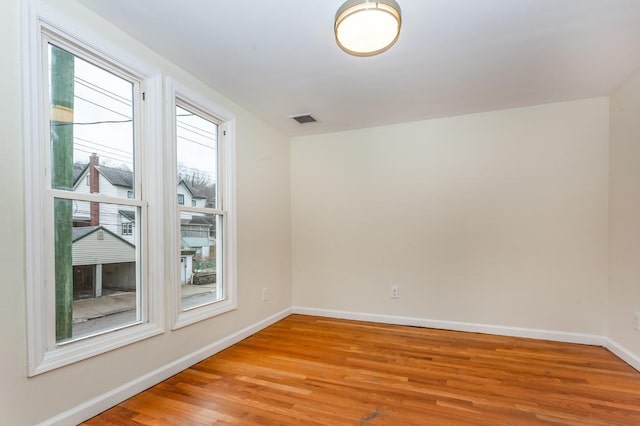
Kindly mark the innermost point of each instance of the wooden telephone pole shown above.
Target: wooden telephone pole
(62, 94)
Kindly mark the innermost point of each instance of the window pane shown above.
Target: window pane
(197, 152)
(199, 260)
(91, 125)
(96, 267)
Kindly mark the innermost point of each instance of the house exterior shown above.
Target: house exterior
(100, 259)
(110, 261)
(188, 197)
(197, 231)
(93, 178)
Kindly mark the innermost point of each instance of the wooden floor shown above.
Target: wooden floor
(318, 371)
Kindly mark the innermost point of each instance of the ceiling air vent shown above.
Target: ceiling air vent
(304, 118)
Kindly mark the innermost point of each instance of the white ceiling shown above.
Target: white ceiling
(278, 58)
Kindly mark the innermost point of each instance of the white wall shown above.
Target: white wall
(14, 385)
(624, 215)
(497, 218)
(263, 244)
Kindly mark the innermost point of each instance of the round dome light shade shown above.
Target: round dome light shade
(367, 28)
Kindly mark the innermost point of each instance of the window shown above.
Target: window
(203, 153)
(127, 228)
(92, 120)
(82, 92)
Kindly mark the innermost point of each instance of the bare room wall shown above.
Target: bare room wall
(624, 216)
(497, 218)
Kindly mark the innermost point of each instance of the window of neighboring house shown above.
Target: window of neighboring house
(88, 181)
(93, 106)
(204, 156)
(127, 228)
(181, 199)
(129, 194)
(193, 203)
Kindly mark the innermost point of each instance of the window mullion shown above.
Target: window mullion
(203, 210)
(98, 198)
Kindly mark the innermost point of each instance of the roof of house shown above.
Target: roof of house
(80, 232)
(193, 192)
(78, 171)
(123, 178)
(194, 242)
(199, 220)
(117, 177)
(129, 214)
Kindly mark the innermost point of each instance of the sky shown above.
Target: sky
(103, 110)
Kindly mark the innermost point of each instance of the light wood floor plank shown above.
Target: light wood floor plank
(308, 370)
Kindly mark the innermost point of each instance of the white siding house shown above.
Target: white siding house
(187, 197)
(81, 186)
(101, 259)
(96, 245)
(105, 235)
(111, 182)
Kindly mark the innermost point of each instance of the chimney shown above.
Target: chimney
(94, 188)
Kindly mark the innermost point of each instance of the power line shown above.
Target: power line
(129, 153)
(115, 156)
(88, 84)
(196, 142)
(118, 160)
(212, 133)
(103, 107)
(190, 114)
(199, 131)
(76, 123)
(210, 175)
(103, 91)
(106, 155)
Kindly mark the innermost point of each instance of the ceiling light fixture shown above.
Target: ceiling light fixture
(367, 28)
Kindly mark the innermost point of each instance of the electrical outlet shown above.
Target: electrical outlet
(265, 294)
(395, 292)
(636, 321)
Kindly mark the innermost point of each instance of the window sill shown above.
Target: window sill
(201, 313)
(72, 352)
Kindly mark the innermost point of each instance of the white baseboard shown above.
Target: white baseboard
(558, 336)
(107, 400)
(623, 353)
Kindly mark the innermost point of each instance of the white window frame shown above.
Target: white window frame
(226, 190)
(44, 354)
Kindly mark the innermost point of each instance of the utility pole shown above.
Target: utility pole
(62, 94)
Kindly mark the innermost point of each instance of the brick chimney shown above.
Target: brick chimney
(94, 188)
